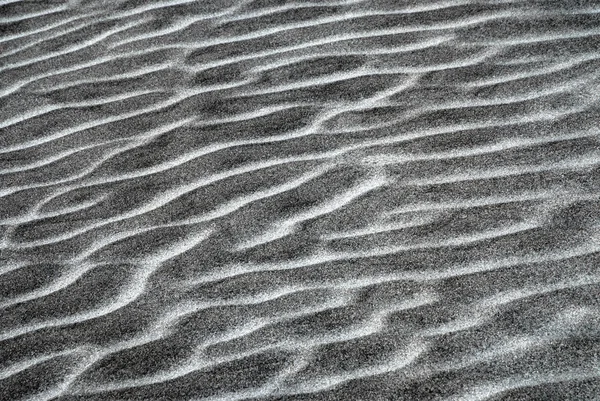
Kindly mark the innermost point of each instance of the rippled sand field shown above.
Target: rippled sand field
(296, 200)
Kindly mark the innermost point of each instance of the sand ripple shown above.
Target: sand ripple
(293, 200)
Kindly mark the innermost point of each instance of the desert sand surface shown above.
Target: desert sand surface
(299, 200)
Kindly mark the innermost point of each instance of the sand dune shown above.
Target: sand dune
(299, 200)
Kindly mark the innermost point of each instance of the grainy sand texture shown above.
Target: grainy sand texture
(299, 200)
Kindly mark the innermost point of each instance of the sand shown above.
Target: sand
(299, 200)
